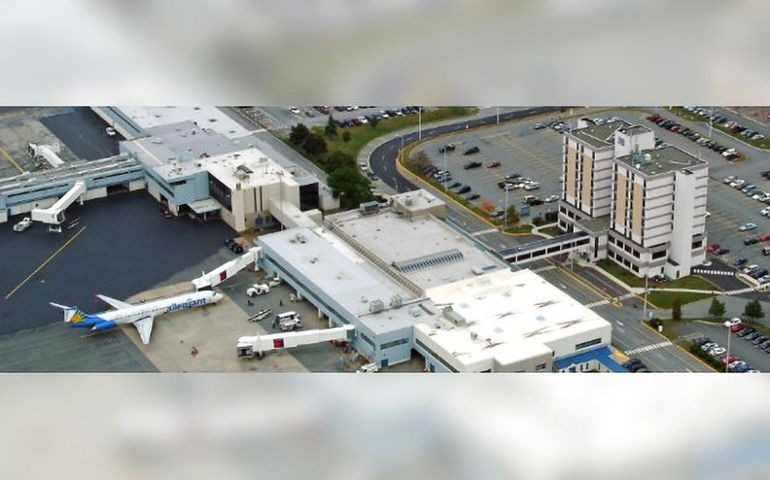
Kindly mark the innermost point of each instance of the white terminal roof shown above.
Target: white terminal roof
(424, 247)
(508, 315)
(211, 118)
(417, 200)
(345, 278)
(248, 169)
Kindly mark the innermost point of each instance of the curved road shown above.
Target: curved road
(383, 163)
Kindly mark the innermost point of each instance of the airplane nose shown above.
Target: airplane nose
(217, 297)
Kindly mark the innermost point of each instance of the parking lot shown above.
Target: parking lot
(745, 350)
(533, 154)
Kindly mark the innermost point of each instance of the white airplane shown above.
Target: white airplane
(141, 315)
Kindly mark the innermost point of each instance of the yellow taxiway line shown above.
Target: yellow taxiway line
(46, 262)
(11, 160)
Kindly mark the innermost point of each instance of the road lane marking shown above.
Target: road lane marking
(46, 262)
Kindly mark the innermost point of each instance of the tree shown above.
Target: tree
(717, 308)
(487, 205)
(551, 217)
(676, 309)
(754, 309)
(346, 136)
(537, 221)
(299, 133)
(337, 159)
(513, 215)
(374, 121)
(331, 127)
(354, 187)
(418, 162)
(314, 144)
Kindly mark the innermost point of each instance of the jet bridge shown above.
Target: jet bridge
(207, 281)
(54, 215)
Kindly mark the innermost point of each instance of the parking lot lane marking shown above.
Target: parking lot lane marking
(46, 262)
(11, 160)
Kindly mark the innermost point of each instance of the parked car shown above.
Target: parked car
(750, 240)
(455, 185)
(465, 189)
(713, 247)
(722, 251)
(747, 227)
(473, 196)
(471, 165)
(733, 321)
(471, 151)
(741, 261)
(551, 198)
(493, 164)
(23, 225)
(737, 328)
(746, 331)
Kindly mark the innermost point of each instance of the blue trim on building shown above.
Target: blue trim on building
(602, 355)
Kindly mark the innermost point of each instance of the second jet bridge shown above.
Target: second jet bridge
(549, 247)
(54, 215)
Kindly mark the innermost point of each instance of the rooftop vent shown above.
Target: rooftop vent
(396, 301)
(376, 306)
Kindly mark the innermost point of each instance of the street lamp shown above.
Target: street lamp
(644, 306)
(445, 176)
(727, 355)
(280, 192)
(419, 123)
(505, 212)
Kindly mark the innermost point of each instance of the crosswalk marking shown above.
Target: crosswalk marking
(607, 301)
(741, 291)
(647, 348)
(484, 232)
(703, 271)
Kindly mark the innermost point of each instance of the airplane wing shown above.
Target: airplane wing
(144, 326)
(114, 303)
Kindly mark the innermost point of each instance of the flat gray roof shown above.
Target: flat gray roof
(599, 136)
(662, 160)
(424, 249)
(340, 274)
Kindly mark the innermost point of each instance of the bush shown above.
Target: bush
(418, 162)
(314, 144)
(346, 136)
(717, 308)
(299, 134)
(537, 221)
(551, 217)
(513, 216)
(337, 159)
(754, 309)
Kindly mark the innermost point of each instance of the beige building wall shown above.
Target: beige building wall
(587, 194)
(637, 200)
(620, 200)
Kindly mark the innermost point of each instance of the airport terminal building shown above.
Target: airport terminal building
(409, 282)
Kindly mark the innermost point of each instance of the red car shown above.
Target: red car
(737, 328)
(764, 237)
(729, 360)
(493, 164)
(713, 248)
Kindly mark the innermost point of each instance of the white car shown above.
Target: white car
(110, 131)
(729, 179)
(294, 110)
(765, 211)
(732, 322)
(24, 224)
(531, 186)
(551, 198)
(747, 227)
(718, 351)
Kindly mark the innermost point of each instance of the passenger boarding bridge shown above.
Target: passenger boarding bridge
(545, 248)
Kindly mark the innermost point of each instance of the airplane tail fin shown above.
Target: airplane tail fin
(71, 314)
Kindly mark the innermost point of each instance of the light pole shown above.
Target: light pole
(644, 306)
(505, 212)
(498, 115)
(280, 192)
(445, 176)
(711, 121)
(419, 123)
(727, 355)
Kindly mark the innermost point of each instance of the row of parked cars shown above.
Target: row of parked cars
(731, 125)
(672, 126)
(514, 181)
(732, 362)
(748, 188)
(381, 115)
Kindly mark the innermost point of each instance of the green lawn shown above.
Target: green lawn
(764, 143)
(363, 134)
(693, 282)
(553, 231)
(666, 299)
(521, 228)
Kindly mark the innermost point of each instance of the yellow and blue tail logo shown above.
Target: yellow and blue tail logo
(71, 314)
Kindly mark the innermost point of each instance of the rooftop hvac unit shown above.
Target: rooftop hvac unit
(396, 301)
(415, 312)
(454, 317)
(408, 201)
(300, 238)
(376, 306)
